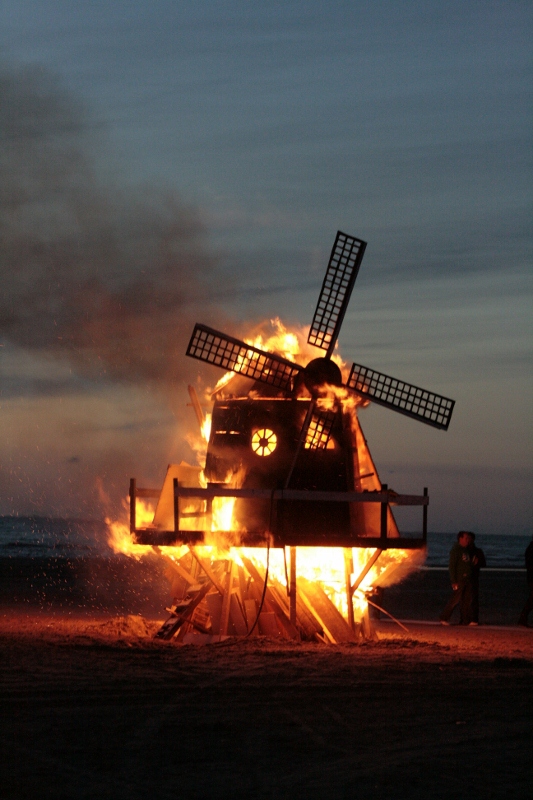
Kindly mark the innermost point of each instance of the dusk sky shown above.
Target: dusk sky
(168, 162)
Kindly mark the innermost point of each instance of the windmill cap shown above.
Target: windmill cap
(320, 371)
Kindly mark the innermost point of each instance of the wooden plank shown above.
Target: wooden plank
(157, 538)
(292, 587)
(155, 493)
(366, 569)
(321, 631)
(200, 618)
(238, 623)
(269, 596)
(133, 505)
(182, 612)
(268, 625)
(281, 609)
(250, 606)
(307, 622)
(243, 585)
(208, 571)
(226, 600)
(348, 569)
(276, 600)
(333, 623)
(367, 629)
(307, 495)
(214, 604)
(176, 567)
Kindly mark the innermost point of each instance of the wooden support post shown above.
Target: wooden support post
(133, 505)
(348, 569)
(384, 515)
(176, 505)
(209, 509)
(366, 626)
(425, 518)
(226, 600)
(292, 588)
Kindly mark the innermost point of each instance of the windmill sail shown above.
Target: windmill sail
(319, 429)
(341, 273)
(224, 351)
(428, 407)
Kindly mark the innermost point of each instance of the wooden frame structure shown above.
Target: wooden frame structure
(302, 611)
(385, 498)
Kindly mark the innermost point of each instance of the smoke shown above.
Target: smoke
(108, 276)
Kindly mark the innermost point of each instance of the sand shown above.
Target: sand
(93, 707)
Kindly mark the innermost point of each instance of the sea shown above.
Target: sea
(44, 537)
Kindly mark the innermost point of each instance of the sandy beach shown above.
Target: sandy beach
(93, 707)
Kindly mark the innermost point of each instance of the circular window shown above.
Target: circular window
(264, 442)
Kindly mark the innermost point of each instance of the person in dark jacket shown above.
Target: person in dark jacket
(529, 575)
(460, 566)
(479, 562)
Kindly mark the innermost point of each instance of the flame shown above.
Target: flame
(330, 396)
(292, 345)
(206, 427)
(326, 566)
(119, 536)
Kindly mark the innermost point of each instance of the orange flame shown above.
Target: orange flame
(119, 536)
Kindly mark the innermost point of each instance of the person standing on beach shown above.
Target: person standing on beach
(460, 566)
(529, 602)
(479, 562)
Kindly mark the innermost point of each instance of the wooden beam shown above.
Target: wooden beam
(335, 627)
(133, 504)
(308, 495)
(384, 516)
(208, 571)
(148, 493)
(181, 571)
(226, 600)
(160, 538)
(292, 588)
(366, 569)
(176, 505)
(270, 597)
(425, 517)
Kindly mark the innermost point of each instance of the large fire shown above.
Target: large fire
(324, 565)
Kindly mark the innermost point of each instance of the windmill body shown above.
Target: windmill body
(256, 439)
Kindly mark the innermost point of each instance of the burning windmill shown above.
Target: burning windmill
(287, 457)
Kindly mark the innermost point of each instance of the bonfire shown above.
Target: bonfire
(283, 528)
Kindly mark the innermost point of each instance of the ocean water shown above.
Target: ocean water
(42, 537)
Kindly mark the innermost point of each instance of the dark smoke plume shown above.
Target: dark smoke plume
(110, 277)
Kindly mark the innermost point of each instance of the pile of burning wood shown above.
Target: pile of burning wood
(216, 599)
